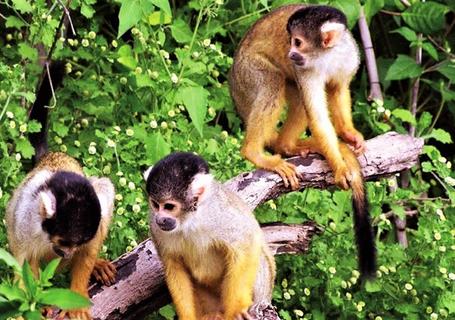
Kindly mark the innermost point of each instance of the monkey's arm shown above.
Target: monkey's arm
(242, 266)
(322, 129)
(339, 98)
(181, 288)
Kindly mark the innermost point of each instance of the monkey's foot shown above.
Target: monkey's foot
(354, 139)
(104, 272)
(301, 148)
(287, 172)
(343, 177)
(77, 314)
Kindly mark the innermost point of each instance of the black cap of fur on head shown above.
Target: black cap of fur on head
(172, 176)
(309, 20)
(77, 211)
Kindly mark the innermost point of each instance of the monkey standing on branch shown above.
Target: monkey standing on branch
(57, 212)
(217, 263)
(305, 57)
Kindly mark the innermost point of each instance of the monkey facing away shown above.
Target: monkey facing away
(57, 212)
(216, 261)
(305, 57)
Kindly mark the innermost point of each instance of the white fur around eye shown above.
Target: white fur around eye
(49, 202)
(147, 173)
(332, 26)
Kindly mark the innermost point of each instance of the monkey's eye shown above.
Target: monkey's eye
(297, 42)
(169, 206)
(155, 205)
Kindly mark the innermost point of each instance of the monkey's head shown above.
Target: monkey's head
(313, 30)
(70, 211)
(175, 186)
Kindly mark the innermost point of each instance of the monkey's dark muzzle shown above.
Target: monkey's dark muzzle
(166, 223)
(297, 59)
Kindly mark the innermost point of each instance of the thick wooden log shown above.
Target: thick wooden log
(140, 287)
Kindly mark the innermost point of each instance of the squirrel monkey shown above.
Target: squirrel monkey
(305, 57)
(57, 212)
(217, 263)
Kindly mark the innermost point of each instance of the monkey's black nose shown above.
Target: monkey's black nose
(166, 223)
(297, 58)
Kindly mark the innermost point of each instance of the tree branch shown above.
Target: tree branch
(140, 287)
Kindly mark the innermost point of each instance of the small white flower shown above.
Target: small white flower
(114, 43)
(452, 276)
(442, 159)
(387, 113)
(164, 125)
(131, 185)
(443, 270)
(442, 248)
(1, 192)
(298, 313)
(120, 211)
(171, 113)
(206, 42)
(136, 208)
(9, 114)
(174, 78)
(110, 143)
(437, 236)
(18, 157)
(449, 165)
(332, 270)
(348, 296)
(118, 197)
(122, 181)
(85, 43)
(286, 296)
(77, 143)
(307, 291)
(129, 132)
(23, 127)
(92, 35)
(12, 124)
(153, 124)
(450, 181)
(408, 286)
(434, 316)
(92, 149)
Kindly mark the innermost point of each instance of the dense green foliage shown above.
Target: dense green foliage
(147, 77)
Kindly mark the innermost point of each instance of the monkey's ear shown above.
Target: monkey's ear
(48, 204)
(147, 172)
(201, 185)
(105, 192)
(331, 33)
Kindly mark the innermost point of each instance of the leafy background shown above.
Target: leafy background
(147, 77)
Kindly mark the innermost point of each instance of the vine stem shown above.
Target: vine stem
(5, 107)
(441, 106)
(193, 39)
(161, 56)
(245, 16)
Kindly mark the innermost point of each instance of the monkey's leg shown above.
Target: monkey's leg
(322, 129)
(289, 142)
(339, 99)
(260, 132)
(238, 284)
(82, 265)
(181, 288)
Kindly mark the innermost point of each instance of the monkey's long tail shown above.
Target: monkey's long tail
(362, 224)
(39, 110)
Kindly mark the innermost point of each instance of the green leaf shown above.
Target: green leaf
(33, 315)
(404, 115)
(156, 147)
(407, 33)
(351, 8)
(159, 17)
(402, 68)
(372, 7)
(131, 12)
(60, 128)
(424, 121)
(14, 22)
(181, 32)
(49, 271)
(63, 298)
(33, 126)
(163, 5)
(12, 292)
(448, 70)
(431, 50)
(195, 100)
(447, 300)
(87, 11)
(25, 148)
(167, 312)
(29, 96)
(426, 17)
(126, 57)
(22, 5)
(6, 257)
(439, 135)
(143, 80)
(398, 210)
(29, 280)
